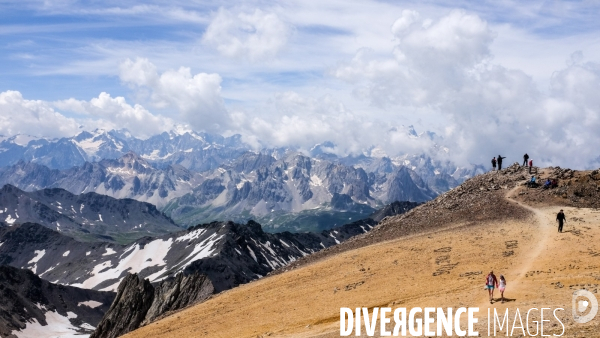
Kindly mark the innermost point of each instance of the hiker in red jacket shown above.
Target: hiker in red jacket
(491, 282)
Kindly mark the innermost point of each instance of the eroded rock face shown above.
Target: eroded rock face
(134, 298)
(177, 293)
(138, 302)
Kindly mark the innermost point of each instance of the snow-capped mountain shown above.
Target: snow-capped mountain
(196, 151)
(127, 177)
(228, 253)
(87, 217)
(268, 189)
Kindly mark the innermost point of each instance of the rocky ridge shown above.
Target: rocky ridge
(86, 217)
(30, 305)
(138, 302)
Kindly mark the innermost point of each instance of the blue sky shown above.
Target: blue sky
(480, 74)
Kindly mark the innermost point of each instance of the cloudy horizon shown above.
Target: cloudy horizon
(487, 78)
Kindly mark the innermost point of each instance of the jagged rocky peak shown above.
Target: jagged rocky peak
(138, 302)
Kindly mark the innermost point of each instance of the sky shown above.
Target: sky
(476, 78)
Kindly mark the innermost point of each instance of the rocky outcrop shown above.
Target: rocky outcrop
(138, 302)
(393, 209)
(134, 298)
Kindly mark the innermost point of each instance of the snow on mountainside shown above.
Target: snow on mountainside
(196, 151)
(268, 189)
(102, 266)
(32, 307)
(228, 253)
(90, 216)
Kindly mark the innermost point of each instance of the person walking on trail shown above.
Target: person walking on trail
(500, 162)
(560, 218)
(502, 287)
(490, 283)
(525, 158)
(493, 164)
(530, 165)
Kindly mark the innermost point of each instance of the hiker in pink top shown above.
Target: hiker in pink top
(491, 282)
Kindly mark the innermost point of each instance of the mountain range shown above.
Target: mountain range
(197, 177)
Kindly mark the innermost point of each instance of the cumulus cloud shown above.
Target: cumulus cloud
(196, 99)
(305, 121)
(446, 65)
(32, 117)
(115, 113)
(254, 35)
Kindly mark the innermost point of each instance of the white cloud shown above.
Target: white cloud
(303, 122)
(446, 65)
(32, 117)
(115, 113)
(256, 35)
(196, 98)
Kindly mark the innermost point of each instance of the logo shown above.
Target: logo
(582, 301)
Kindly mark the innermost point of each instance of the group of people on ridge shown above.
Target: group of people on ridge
(498, 161)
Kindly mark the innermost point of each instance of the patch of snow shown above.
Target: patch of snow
(71, 315)
(316, 181)
(10, 220)
(100, 216)
(66, 253)
(38, 255)
(109, 251)
(88, 253)
(81, 207)
(190, 235)
(58, 326)
(252, 254)
(135, 262)
(336, 241)
(284, 243)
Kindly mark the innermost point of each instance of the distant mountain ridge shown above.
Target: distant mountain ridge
(199, 177)
(86, 217)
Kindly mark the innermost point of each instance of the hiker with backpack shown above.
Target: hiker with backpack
(493, 164)
(525, 158)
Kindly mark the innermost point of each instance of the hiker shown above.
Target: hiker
(525, 158)
(554, 183)
(500, 162)
(493, 164)
(490, 283)
(530, 165)
(502, 287)
(547, 184)
(531, 183)
(560, 217)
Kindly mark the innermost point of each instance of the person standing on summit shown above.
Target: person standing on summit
(500, 162)
(525, 158)
(494, 164)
